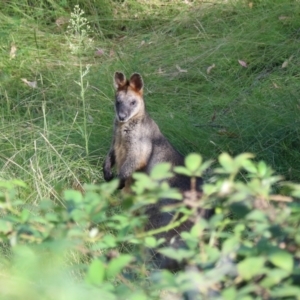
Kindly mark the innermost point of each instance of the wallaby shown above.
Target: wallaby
(138, 145)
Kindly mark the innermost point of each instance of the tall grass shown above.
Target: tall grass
(55, 136)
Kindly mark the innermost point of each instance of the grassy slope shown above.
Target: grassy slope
(231, 109)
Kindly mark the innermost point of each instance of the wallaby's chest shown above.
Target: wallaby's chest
(127, 138)
(127, 134)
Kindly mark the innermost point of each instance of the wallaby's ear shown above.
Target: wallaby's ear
(136, 82)
(119, 80)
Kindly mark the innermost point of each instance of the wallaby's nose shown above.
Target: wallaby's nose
(122, 116)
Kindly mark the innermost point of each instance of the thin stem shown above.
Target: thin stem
(82, 95)
(168, 227)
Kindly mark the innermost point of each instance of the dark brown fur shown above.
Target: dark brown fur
(138, 145)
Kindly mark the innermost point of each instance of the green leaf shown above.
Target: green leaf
(150, 242)
(245, 298)
(257, 215)
(5, 226)
(46, 205)
(286, 291)
(190, 241)
(10, 184)
(249, 166)
(213, 254)
(163, 279)
(96, 272)
(79, 215)
(274, 277)
(226, 162)
(177, 254)
(20, 183)
(142, 182)
(262, 168)
(182, 171)
(230, 245)
(73, 196)
(229, 293)
(239, 228)
(295, 189)
(250, 267)
(108, 188)
(109, 240)
(171, 194)
(198, 228)
(117, 264)
(205, 165)
(52, 217)
(209, 189)
(243, 158)
(193, 162)
(138, 296)
(282, 259)
(25, 215)
(161, 171)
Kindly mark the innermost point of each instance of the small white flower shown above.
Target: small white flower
(93, 232)
(78, 30)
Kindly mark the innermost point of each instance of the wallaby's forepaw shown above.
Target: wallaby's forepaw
(108, 175)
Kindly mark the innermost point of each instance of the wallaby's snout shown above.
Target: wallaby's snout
(122, 116)
(125, 108)
(121, 111)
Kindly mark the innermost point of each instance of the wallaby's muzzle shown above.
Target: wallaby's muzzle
(122, 116)
(123, 112)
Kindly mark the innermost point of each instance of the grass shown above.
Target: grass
(54, 137)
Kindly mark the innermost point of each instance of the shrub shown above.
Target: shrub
(93, 246)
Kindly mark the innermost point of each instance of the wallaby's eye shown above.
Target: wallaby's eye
(132, 103)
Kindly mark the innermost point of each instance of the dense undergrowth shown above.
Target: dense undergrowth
(219, 77)
(248, 250)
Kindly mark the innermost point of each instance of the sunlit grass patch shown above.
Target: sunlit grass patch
(46, 125)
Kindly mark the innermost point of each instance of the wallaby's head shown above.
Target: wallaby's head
(129, 96)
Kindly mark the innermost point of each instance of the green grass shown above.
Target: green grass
(233, 109)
